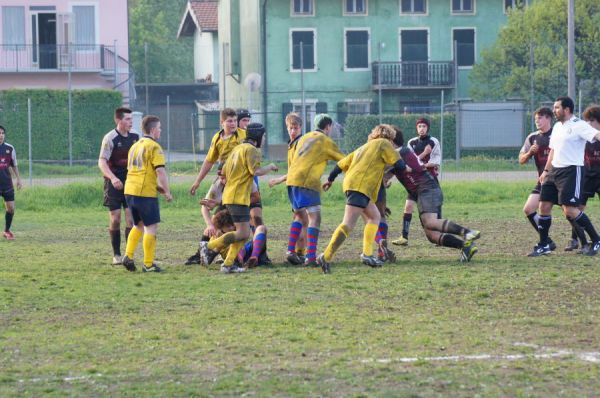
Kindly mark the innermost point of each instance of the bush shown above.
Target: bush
(92, 112)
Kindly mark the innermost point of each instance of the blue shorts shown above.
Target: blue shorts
(303, 197)
(143, 209)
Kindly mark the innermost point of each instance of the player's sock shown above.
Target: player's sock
(533, 219)
(368, 237)
(381, 232)
(448, 240)
(406, 219)
(295, 230)
(339, 236)
(584, 222)
(115, 241)
(127, 231)
(132, 241)
(233, 251)
(221, 242)
(149, 244)
(578, 233)
(312, 237)
(257, 244)
(544, 223)
(453, 228)
(8, 217)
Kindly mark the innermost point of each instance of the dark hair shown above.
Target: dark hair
(424, 121)
(222, 219)
(149, 122)
(592, 112)
(566, 102)
(227, 112)
(2, 128)
(121, 111)
(543, 111)
(399, 138)
(324, 122)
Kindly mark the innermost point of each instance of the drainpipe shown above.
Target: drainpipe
(263, 24)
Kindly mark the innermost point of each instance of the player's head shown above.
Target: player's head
(243, 118)
(383, 131)
(563, 108)
(543, 118)
(323, 122)
(422, 125)
(591, 115)
(151, 126)
(399, 137)
(2, 134)
(293, 122)
(223, 221)
(255, 133)
(229, 120)
(123, 118)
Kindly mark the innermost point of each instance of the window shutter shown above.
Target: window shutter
(342, 112)
(321, 107)
(375, 108)
(286, 108)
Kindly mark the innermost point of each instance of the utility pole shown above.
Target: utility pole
(571, 48)
(379, 47)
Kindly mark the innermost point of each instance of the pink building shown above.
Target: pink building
(42, 40)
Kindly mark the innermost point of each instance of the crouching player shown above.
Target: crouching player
(240, 168)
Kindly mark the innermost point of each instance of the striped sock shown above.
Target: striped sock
(312, 238)
(295, 230)
(257, 244)
(381, 232)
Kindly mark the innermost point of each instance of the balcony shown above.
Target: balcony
(59, 58)
(413, 75)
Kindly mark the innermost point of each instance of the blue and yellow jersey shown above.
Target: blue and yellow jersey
(220, 147)
(239, 171)
(309, 159)
(365, 166)
(145, 156)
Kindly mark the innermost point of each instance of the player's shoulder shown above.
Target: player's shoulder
(413, 141)
(111, 135)
(434, 140)
(9, 146)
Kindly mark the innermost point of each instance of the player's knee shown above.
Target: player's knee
(431, 236)
(257, 220)
(261, 229)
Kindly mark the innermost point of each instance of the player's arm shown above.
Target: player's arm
(15, 169)
(261, 171)
(425, 152)
(277, 180)
(527, 151)
(163, 183)
(435, 157)
(206, 166)
(210, 227)
(548, 166)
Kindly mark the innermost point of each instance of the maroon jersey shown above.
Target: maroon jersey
(8, 159)
(592, 155)
(419, 144)
(543, 142)
(419, 179)
(115, 148)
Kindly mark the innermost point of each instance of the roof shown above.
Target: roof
(201, 15)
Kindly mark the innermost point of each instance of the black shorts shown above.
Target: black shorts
(537, 189)
(143, 209)
(412, 196)
(255, 200)
(239, 213)
(8, 194)
(591, 187)
(357, 199)
(113, 198)
(563, 186)
(430, 201)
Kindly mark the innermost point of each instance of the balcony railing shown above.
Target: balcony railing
(413, 75)
(55, 57)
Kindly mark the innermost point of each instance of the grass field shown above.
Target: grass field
(504, 325)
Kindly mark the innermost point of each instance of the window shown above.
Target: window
(13, 25)
(356, 49)
(415, 106)
(512, 4)
(303, 7)
(358, 108)
(413, 45)
(305, 40)
(413, 6)
(462, 6)
(465, 46)
(311, 112)
(85, 27)
(355, 7)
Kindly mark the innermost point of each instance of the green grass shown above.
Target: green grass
(70, 324)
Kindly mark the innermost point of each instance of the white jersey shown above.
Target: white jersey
(568, 142)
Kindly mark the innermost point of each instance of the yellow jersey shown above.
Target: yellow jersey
(220, 147)
(291, 149)
(144, 157)
(239, 171)
(364, 167)
(309, 159)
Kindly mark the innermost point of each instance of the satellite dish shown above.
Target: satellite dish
(253, 81)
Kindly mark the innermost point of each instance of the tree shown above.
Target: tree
(538, 33)
(170, 60)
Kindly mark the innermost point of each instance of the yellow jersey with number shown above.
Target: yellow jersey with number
(239, 171)
(365, 166)
(220, 147)
(144, 157)
(309, 160)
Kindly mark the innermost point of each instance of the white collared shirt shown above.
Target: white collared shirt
(568, 141)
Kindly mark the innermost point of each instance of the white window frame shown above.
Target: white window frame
(302, 15)
(412, 14)
(355, 14)
(473, 12)
(96, 27)
(291, 43)
(525, 4)
(368, 68)
(20, 46)
(474, 45)
(414, 28)
(311, 111)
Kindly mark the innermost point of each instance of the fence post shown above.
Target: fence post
(441, 131)
(169, 132)
(193, 141)
(457, 144)
(29, 138)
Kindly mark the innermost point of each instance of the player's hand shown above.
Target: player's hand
(273, 167)
(117, 184)
(19, 184)
(168, 196)
(387, 212)
(210, 231)
(534, 149)
(275, 181)
(210, 203)
(543, 177)
(327, 185)
(387, 183)
(408, 169)
(194, 188)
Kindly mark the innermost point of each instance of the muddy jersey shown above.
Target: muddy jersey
(592, 157)
(115, 148)
(419, 144)
(8, 159)
(543, 142)
(420, 178)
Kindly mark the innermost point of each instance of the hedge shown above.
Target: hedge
(92, 112)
